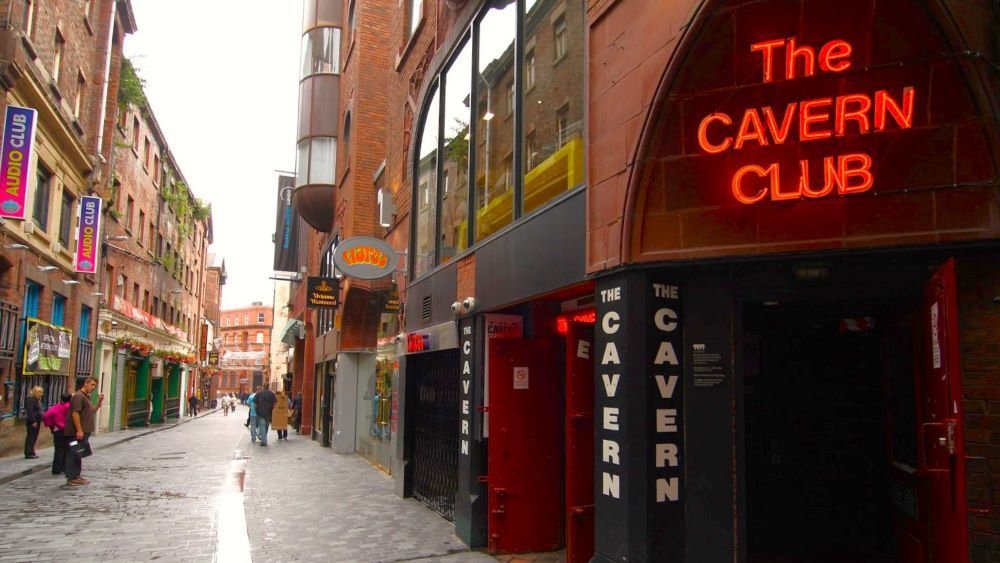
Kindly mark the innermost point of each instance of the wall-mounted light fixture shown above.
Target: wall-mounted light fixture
(70, 282)
(45, 268)
(15, 246)
(119, 238)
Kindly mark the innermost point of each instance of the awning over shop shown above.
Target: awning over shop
(291, 331)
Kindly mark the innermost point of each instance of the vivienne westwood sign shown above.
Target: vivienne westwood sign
(365, 258)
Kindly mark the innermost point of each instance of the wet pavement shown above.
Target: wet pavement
(197, 490)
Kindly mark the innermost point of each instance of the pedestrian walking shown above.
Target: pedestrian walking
(225, 405)
(264, 401)
(279, 420)
(80, 423)
(193, 403)
(297, 411)
(32, 420)
(55, 420)
(252, 417)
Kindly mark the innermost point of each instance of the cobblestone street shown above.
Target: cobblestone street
(158, 494)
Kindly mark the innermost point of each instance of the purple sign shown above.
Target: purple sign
(15, 160)
(88, 235)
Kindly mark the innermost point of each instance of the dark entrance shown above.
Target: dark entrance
(845, 459)
(435, 390)
(817, 477)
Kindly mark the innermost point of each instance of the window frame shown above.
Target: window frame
(66, 218)
(524, 79)
(43, 197)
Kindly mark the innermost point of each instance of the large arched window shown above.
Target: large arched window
(508, 127)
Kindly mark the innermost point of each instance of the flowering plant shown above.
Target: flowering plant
(174, 357)
(134, 345)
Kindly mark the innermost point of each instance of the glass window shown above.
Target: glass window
(59, 45)
(494, 137)
(455, 159)
(529, 70)
(43, 187)
(317, 161)
(352, 18)
(260, 338)
(66, 218)
(416, 15)
(58, 309)
(553, 110)
(260, 318)
(559, 37)
(426, 180)
(85, 313)
(321, 51)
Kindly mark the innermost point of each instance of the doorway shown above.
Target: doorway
(853, 441)
(815, 404)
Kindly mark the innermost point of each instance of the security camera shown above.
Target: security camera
(456, 307)
(469, 304)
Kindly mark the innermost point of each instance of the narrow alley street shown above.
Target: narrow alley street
(177, 494)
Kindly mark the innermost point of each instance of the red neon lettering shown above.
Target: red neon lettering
(857, 167)
(767, 51)
(832, 52)
(751, 129)
(862, 103)
(902, 114)
(830, 178)
(811, 112)
(805, 54)
(738, 192)
(703, 141)
(779, 134)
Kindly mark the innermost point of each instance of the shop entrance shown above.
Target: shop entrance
(852, 447)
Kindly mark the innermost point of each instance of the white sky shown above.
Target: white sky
(222, 79)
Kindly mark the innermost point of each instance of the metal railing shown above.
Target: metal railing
(84, 357)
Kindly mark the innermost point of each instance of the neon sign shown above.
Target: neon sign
(806, 121)
(587, 316)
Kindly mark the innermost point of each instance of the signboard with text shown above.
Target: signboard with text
(88, 235)
(365, 258)
(322, 293)
(804, 128)
(47, 348)
(15, 160)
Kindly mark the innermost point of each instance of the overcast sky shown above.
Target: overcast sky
(222, 79)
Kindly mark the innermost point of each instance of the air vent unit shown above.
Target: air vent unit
(426, 310)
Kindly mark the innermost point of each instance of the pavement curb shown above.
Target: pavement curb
(43, 466)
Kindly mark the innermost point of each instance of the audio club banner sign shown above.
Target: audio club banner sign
(15, 160)
(88, 235)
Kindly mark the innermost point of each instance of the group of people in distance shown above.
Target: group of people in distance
(271, 410)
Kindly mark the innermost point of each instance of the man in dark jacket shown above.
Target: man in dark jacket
(264, 401)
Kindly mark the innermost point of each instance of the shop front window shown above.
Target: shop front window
(495, 136)
(455, 158)
(553, 161)
(544, 102)
(426, 180)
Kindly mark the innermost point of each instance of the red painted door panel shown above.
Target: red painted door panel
(525, 458)
(940, 441)
(579, 443)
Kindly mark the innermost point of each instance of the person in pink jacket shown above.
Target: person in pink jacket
(55, 419)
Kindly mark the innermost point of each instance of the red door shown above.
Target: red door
(525, 459)
(579, 443)
(940, 440)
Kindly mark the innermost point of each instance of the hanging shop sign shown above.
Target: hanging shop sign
(47, 348)
(392, 303)
(88, 235)
(843, 171)
(213, 359)
(323, 293)
(15, 159)
(286, 239)
(365, 258)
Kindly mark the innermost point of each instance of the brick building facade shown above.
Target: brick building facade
(245, 351)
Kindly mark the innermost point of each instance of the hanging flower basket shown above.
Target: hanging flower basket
(134, 345)
(173, 357)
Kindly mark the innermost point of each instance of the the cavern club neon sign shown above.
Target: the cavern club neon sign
(805, 121)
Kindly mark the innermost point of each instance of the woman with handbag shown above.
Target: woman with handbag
(33, 420)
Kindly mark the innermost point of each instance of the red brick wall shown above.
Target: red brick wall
(979, 318)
